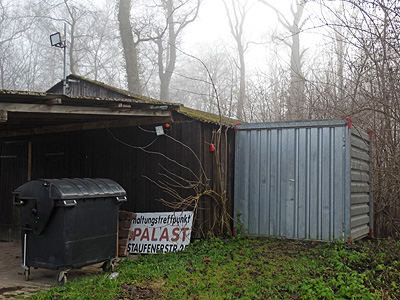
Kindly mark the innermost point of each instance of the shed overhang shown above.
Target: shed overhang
(27, 113)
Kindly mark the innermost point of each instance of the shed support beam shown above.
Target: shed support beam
(82, 110)
(87, 126)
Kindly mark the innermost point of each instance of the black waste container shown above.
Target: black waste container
(68, 223)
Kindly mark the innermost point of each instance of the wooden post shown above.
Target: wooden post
(29, 175)
(3, 116)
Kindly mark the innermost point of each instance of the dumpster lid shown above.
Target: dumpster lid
(67, 188)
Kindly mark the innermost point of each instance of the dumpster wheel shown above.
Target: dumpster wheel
(62, 278)
(108, 265)
(27, 272)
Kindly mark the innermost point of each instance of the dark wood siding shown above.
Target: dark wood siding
(84, 87)
(13, 173)
(126, 155)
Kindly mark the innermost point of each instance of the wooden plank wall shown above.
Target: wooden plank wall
(98, 153)
(13, 173)
(86, 88)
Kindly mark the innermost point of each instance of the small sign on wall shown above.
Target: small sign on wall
(160, 232)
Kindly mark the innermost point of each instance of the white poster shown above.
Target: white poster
(160, 232)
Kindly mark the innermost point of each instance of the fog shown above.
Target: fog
(287, 60)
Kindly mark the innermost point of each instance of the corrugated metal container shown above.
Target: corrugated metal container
(303, 180)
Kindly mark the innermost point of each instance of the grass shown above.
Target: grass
(251, 268)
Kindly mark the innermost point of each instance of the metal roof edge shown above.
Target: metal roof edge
(293, 124)
(39, 97)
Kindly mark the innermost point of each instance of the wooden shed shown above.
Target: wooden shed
(97, 131)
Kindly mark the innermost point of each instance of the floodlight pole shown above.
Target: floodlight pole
(65, 60)
(61, 42)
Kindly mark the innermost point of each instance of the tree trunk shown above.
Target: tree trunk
(166, 75)
(236, 23)
(242, 87)
(296, 104)
(166, 52)
(129, 46)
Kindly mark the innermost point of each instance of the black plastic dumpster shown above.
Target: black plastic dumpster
(68, 223)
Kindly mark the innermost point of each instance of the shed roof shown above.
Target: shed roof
(74, 79)
(28, 113)
(180, 108)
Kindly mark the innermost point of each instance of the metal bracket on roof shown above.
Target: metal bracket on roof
(159, 107)
(73, 80)
(54, 101)
(124, 105)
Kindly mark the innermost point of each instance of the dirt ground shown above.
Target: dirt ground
(12, 279)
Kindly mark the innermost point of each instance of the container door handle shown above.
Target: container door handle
(69, 202)
(121, 199)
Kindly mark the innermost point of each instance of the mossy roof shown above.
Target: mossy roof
(207, 117)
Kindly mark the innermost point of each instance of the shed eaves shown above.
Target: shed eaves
(207, 117)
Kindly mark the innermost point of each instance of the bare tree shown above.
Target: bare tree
(160, 23)
(192, 85)
(102, 58)
(52, 14)
(296, 107)
(237, 12)
(92, 49)
(178, 14)
(267, 92)
(14, 22)
(371, 76)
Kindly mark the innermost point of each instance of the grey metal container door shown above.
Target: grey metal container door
(291, 181)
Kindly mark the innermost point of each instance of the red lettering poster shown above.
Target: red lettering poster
(160, 232)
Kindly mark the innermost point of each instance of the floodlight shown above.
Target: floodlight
(56, 40)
